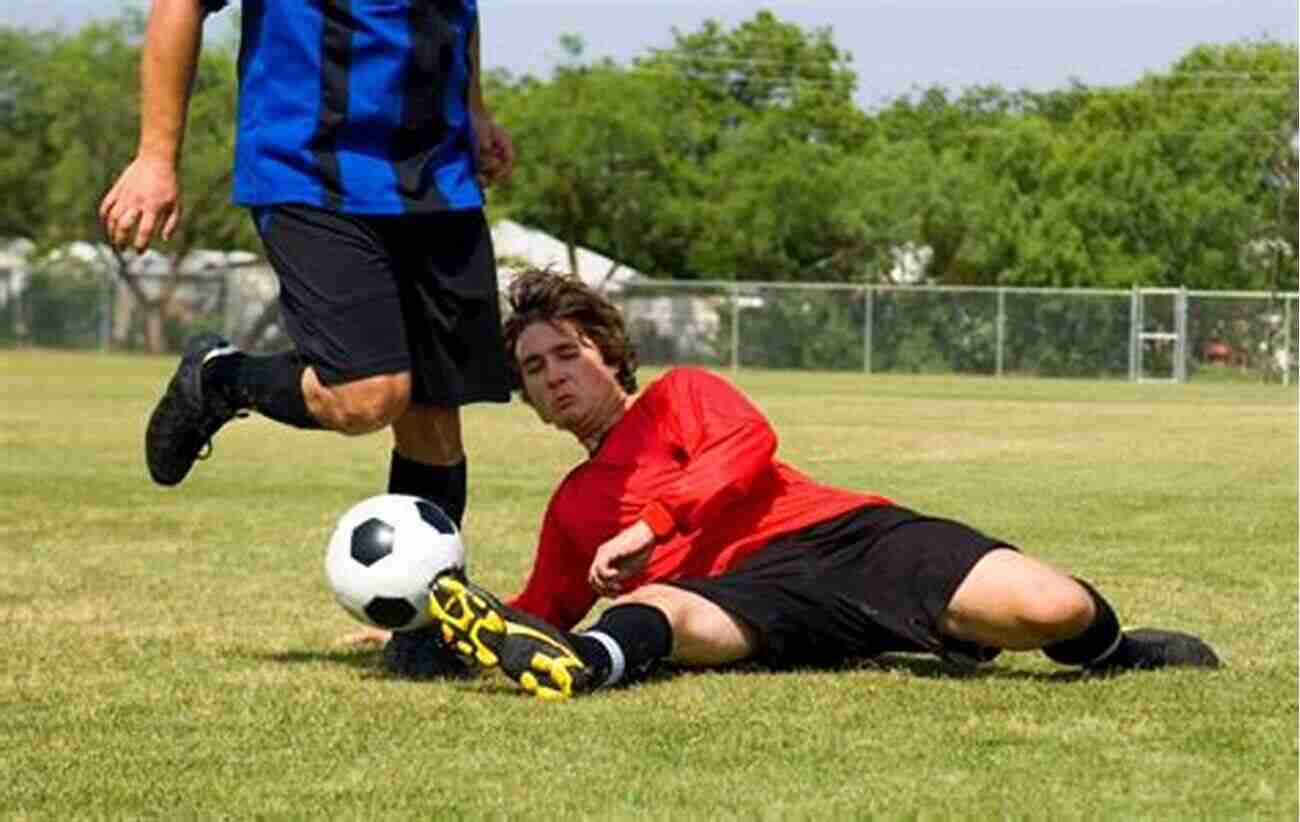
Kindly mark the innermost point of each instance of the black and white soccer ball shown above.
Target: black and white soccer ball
(384, 553)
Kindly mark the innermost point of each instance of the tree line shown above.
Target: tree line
(741, 154)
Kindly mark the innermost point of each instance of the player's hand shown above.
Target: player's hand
(620, 558)
(496, 151)
(144, 201)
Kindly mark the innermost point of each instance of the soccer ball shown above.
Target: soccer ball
(384, 553)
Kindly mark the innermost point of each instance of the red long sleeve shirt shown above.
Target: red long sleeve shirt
(695, 448)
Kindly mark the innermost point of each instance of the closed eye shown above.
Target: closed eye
(531, 365)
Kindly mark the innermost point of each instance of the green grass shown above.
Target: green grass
(170, 652)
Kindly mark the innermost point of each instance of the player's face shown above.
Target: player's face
(567, 380)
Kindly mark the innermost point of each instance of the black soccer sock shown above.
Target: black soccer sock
(444, 485)
(625, 643)
(1099, 644)
(270, 385)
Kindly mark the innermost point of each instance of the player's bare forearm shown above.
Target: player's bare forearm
(173, 39)
(145, 200)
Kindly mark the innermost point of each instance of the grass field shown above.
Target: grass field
(170, 652)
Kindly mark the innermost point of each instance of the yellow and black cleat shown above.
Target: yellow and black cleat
(536, 655)
(469, 622)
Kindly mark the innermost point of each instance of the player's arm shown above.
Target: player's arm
(146, 197)
(727, 445)
(496, 151)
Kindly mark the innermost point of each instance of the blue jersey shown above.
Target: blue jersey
(359, 106)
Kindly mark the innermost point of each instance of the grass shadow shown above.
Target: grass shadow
(927, 667)
(368, 662)
(918, 665)
(359, 658)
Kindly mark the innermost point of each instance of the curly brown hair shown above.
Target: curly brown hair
(540, 295)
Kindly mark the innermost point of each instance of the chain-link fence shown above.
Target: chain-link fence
(1139, 334)
(82, 307)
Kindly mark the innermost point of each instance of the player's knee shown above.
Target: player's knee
(370, 404)
(1057, 612)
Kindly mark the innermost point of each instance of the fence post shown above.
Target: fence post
(1180, 331)
(735, 326)
(6, 298)
(104, 322)
(228, 309)
(1286, 341)
(1134, 320)
(1001, 328)
(868, 303)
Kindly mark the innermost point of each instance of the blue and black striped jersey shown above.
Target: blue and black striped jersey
(358, 106)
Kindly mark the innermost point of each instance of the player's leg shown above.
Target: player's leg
(428, 458)
(348, 371)
(284, 388)
(1012, 601)
(703, 633)
(447, 282)
(1016, 602)
(628, 639)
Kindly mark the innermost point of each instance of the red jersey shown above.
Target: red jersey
(694, 458)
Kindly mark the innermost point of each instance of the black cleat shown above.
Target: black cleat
(1145, 649)
(422, 654)
(536, 655)
(184, 421)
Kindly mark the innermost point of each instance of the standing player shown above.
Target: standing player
(714, 551)
(362, 131)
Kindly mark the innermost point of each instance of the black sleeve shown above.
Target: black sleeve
(210, 6)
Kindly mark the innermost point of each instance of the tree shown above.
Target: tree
(1170, 182)
(770, 127)
(26, 153)
(687, 163)
(777, 207)
(594, 162)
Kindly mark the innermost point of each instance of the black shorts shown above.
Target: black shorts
(362, 296)
(868, 582)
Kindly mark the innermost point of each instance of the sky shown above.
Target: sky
(897, 46)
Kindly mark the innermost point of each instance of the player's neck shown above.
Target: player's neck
(592, 440)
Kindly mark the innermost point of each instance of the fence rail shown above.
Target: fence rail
(1143, 335)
